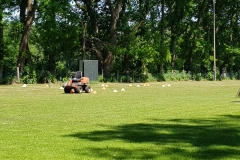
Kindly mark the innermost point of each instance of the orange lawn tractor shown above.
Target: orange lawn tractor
(77, 83)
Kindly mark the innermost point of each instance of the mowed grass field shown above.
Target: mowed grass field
(188, 120)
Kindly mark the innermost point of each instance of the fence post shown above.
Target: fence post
(18, 75)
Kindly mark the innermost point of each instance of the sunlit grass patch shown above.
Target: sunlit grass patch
(187, 120)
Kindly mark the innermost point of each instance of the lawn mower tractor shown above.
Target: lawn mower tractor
(77, 83)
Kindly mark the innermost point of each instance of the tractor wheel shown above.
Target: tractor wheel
(78, 89)
(67, 90)
(87, 89)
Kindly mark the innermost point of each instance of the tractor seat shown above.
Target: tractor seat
(78, 74)
(77, 77)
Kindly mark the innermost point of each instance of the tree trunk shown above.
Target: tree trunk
(191, 45)
(90, 14)
(27, 23)
(51, 63)
(126, 63)
(176, 29)
(173, 51)
(162, 34)
(107, 64)
(115, 8)
(84, 41)
(1, 42)
(162, 21)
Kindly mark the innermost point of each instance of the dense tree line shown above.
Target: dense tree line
(46, 39)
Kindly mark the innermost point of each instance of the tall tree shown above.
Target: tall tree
(1, 40)
(162, 34)
(101, 44)
(3, 5)
(58, 31)
(27, 21)
(193, 36)
(175, 18)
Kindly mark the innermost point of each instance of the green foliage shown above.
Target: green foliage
(100, 78)
(29, 76)
(148, 78)
(10, 50)
(65, 79)
(176, 76)
(48, 77)
(6, 80)
(198, 77)
(145, 39)
(210, 76)
(237, 75)
(161, 77)
(142, 49)
(126, 78)
(61, 69)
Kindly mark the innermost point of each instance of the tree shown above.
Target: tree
(1, 40)
(6, 6)
(58, 32)
(101, 43)
(27, 20)
(143, 36)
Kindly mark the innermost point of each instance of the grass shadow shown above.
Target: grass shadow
(188, 138)
(236, 101)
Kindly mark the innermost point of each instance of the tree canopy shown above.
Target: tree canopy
(46, 39)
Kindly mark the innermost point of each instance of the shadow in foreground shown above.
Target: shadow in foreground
(176, 138)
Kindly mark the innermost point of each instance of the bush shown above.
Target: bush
(237, 75)
(112, 78)
(29, 75)
(6, 80)
(149, 78)
(49, 77)
(127, 78)
(100, 78)
(210, 76)
(60, 69)
(46, 77)
(199, 77)
(161, 77)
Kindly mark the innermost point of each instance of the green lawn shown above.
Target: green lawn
(188, 120)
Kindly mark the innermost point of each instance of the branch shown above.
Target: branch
(98, 54)
(139, 25)
(111, 7)
(100, 41)
(115, 11)
(79, 5)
